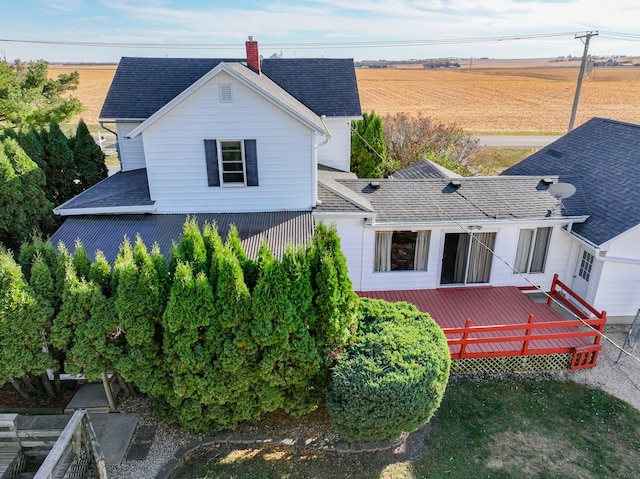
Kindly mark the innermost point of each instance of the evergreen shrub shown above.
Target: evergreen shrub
(393, 378)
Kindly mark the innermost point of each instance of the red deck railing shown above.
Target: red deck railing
(533, 338)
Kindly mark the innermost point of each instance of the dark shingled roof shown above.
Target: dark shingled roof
(125, 188)
(141, 86)
(423, 169)
(605, 155)
(106, 232)
(477, 198)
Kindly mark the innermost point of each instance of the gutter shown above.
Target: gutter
(101, 123)
(602, 253)
(475, 222)
(114, 210)
(315, 159)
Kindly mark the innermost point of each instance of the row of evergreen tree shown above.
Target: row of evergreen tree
(41, 168)
(215, 337)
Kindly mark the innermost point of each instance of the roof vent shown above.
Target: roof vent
(555, 153)
(374, 185)
(455, 184)
(547, 181)
(225, 90)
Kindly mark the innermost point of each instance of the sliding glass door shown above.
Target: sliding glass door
(467, 258)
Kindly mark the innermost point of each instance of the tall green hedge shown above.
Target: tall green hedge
(392, 380)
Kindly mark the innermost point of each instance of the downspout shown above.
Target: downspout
(117, 142)
(315, 158)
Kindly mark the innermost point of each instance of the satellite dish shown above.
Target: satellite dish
(560, 191)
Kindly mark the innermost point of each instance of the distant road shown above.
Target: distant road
(516, 141)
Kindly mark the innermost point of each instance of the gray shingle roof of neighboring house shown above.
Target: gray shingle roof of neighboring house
(605, 155)
(107, 232)
(424, 169)
(141, 86)
(125, 188)
(477, 198)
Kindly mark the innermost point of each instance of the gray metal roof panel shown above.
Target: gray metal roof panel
(605, 155)
(477, 198)
(125, 188)
(106, 232)
(141, 86)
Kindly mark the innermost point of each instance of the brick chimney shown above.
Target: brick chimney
(253, 55)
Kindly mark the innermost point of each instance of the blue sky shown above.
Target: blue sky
(331, 26)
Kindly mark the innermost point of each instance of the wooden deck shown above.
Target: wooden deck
(500, 321)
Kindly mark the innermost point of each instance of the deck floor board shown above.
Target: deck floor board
(486, 306)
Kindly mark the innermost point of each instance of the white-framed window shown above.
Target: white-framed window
(232, 167)
(402, 250)
(586, 264)
(533, 246)
(231, 162)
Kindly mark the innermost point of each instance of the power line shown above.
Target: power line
(310, 45)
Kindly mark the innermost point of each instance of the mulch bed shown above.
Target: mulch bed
(10, 399)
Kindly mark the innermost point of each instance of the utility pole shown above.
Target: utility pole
(576, 98)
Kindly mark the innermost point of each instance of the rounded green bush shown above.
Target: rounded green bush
(392, 380)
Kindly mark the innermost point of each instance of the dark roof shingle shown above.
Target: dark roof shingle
(605, 155)
(125, 188)
(477, 198)
(141, 86)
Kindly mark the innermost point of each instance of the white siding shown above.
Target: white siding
(350, 230)
(174, 149)
(131, 150)
(618, 284)
(337, 152)
(358, 245)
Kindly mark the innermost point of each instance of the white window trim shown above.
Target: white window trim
(231, 184)
(532, 248)
(385, 261)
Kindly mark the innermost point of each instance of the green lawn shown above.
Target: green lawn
(483, 430)
(491, 161)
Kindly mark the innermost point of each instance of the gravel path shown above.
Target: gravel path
(168, 440)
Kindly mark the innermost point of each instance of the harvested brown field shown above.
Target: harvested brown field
(501, 96)
(512, 98)
(94, 84)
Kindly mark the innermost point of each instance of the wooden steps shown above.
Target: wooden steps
(10, 456)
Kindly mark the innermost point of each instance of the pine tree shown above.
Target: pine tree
(24, 326)
(13, 214)
(191, 247)
(368, 151)
(81, 261)
(334, 298)
(76, 302)
(138, 307)
(89, 158)
(100, 274)
(30, 143)
(62, 175)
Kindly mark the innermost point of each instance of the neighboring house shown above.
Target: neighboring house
(603, 263)
(265, 145)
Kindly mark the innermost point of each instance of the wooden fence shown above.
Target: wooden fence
(75, 451)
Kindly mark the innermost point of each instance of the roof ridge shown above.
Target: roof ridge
(346, 193)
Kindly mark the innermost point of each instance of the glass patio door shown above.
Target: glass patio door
(467, 258)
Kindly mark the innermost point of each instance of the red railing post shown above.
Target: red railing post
(465, 336)
(552, 291)
(528, 331)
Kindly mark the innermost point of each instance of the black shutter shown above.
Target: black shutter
(251, 161)
(211, 156)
